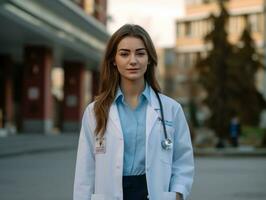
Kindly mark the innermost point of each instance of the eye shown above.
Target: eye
(123, 54)
(141, 53)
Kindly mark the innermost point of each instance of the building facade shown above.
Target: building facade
(190, 32)
(50, 53)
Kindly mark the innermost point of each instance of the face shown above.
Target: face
(131, 59)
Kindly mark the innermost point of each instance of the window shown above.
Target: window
(256, 22)
(181, 60)
(178, 33)
(188, 29)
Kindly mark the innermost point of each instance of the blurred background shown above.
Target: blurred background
(212, 60)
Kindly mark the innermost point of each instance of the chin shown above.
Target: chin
(134, 78)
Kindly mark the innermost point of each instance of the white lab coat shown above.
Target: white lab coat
(99, 175)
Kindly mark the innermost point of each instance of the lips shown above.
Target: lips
(133, 69)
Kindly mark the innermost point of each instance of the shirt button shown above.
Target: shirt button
(117, 167)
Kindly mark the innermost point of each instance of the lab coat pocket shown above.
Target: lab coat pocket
(169, 196)
(98, 197)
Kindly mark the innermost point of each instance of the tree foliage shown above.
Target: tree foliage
(247, 101)
(227, 73)
(213, 73)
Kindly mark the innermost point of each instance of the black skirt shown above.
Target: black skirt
(135, 188)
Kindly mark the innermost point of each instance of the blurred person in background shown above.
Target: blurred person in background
(235, 130)
(134, 142)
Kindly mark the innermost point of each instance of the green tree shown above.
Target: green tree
(228, 74)
(213, 71)
(247, 102)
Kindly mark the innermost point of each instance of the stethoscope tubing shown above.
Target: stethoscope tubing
(162, 115)
(166, 143)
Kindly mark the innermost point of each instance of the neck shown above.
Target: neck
(132, 90)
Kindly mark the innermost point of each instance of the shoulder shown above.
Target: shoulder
(169, 104)
(173, 108)
(89, 111)
(168, 101)
(88, 119)
(89, 108)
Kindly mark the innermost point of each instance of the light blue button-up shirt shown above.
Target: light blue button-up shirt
(133, 123)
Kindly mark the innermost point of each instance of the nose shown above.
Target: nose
(133, 60)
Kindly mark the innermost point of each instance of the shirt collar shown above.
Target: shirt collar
(118, 94)
(145, 93)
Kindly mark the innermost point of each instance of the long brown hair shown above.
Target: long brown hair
(109, 78)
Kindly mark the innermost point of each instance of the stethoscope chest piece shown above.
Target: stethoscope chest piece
(167, 144)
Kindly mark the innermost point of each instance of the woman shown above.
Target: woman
(125, 150)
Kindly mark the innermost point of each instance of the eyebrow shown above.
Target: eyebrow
(129, 50)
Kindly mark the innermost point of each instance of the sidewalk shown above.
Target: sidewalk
(19, 144)
(15, 145)
(241, 151)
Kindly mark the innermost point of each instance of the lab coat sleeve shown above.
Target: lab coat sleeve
(85, 163)
(183, 162)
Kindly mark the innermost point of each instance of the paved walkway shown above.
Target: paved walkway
(15, 145)
(229, 151)
(19, 144)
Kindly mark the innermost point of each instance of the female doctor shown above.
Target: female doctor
(134, 142)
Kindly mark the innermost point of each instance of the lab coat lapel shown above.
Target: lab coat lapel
(152, 114)
(114, 117)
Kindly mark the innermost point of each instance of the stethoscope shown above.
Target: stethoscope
(167, 143)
